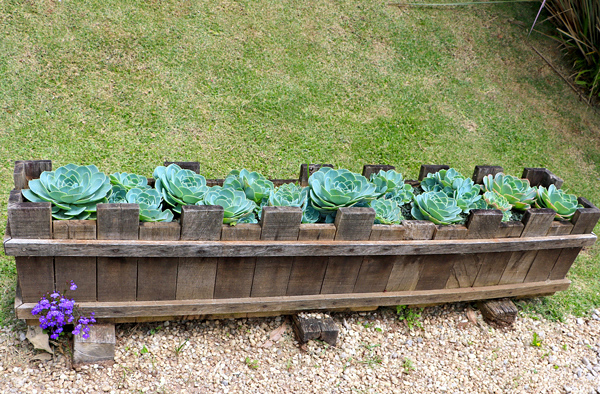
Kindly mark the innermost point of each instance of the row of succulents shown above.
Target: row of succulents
(444, 197)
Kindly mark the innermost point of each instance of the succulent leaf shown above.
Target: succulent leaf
(386, 182)
(498, 201)
(386, 211)
(73, 191)
(128, 181)
(288, 195)
(517, 192)
(149, 201)
(440, 180)
(565, 205)
(256, 187)
(179, 187)
(436, 207)
(237, 208)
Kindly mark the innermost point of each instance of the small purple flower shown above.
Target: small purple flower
(73, 286)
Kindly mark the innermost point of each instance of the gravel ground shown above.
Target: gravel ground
(453, 352)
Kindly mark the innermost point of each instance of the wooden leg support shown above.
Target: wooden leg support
(499, 313)
(98, 348)
(309, 326)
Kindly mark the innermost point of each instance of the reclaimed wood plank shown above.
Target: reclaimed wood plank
(427, 169)
(418, 229)
(563, 263)
(308, 302)
(374, 274)
(451, 231)
(545, 259)
(201, 222)
(116, 278)
(15, 196)
(541, 177)
(537, 222)
(234, 277)
(117, 221)
(26, 170)
(306, 170)
(196, 278)
(354, 224)
(584, 220)
(241, 232)
(483, 223)
(369, 169)
(19, 176)
(316, 232)
(500, 313)
(36, 277)
(512, 229)
(185, 165)
(74, 229)
(387, 232)
(481, 172)
(166, 231)
(157, 276)
(405, 273)
(271, 276)
(124, 248)
(560, 227)
(30, 220)
(280, 223)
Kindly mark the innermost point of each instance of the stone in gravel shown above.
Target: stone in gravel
(580, 321)
(419, 340)
(568, 389)
(409, 342)
(585, 361)
(552, 359)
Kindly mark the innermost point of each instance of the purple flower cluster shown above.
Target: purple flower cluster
(57, 311)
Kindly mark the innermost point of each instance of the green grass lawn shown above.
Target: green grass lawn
(270, 84)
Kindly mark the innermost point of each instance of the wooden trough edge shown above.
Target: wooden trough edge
(306, 302)
(125, 248)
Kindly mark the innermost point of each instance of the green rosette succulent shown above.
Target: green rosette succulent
(149, 201)
(466, 193)
(333, 189)
(128, 181)
(443, 179)
(237, 208)
(310, 214)
(73, 191)
(256, 187)
(288, 195)
(179, 187)
(386, 211)
(118, 195)
(517, 191)
(436, 207)
(402, 195)
(386, 182)
(497, 201)
(564, 204)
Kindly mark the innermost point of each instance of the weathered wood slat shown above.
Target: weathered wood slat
(483, 171)
(541, 177)
(157, 276)
(186, 165)
(26, 170)
(510, 229)
(387, 232)
(316, 232)
(74, 229)
(452, 231)
(280, 223)
(234, 277)
(354, 224)
(484, 223)
(545, 259)
(30, 220)
(196, 278)
(117, 221)
(271, 276)
(584, 220)
(308, 302)
(563, 263)
(36, 277)
(374, 273)
(156, 231)
(201, 222)
(115, 248)
(240, 232)
(427, 169)
(306, 170)
(306, 275)
(418, 229)
(369, 169)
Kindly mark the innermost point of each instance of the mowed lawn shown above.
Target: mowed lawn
(270, 84)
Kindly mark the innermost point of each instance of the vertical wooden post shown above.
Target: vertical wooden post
(272, 274)
(352, 224)
(541, 177)
(117, 276)
(26, 170)
(201, 222)
(186, 165)
(483, 171)
(81, 269)
(369, 169)
(306, 170)
(431, 169)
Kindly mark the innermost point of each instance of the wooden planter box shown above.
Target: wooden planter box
(131, 271)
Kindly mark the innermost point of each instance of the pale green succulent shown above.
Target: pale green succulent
(332, 189)
(498, 201)
(386, 182)
(386, 211)
(237, 208)
(255, 185)
(310, 214)
(128, 181)
(438, 181)
(402, 195)
(288, 195)
(118, 195)
(565, 205)
(149, 201)
(465, 192)
(517, 191)
(436, 207)
(179, 187)
(73, 191)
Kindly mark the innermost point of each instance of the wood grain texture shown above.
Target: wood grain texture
(82, 271)
(308, 302)
(559, 227)
(306, 170)
(116, 278)
(418, 229)
(369, 169)
(36, 277)
(584, 220)
(201, 222)
(492, 268)
(387, 232)
(316, 232)
(306, 275)
(451, 231)
(510, 229)
(74, 229)
(156, 278)
(98, 347)
(435, 271)
(271, 276)
(354, 224)
(405, 273)
(545, 259)
(15, 196)
(19, 176)
(280, 223)
(26, 170)
(541, 177)
(196, 278)
(563, 263)
(481, 172)
(341, 274)
(240, 232)
(537, 222)
(117, 221)
(374, 274)
(30, 220)
(124, 248)
(157, 231)
(483, 223)
(234, 277)
(499, 313)
(427, 169)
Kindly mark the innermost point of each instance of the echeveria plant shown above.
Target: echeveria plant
(179, 187)
(517, 192)
(438, 181)
(436, 207)
(332, 189)
(237, 208)
(497, 201)
(402, 195)
(73, 191)
(288, 195)
(386, 211)
(255, 185)
(149, 201)
(562, 203)
(386, 182)
(128, 181)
